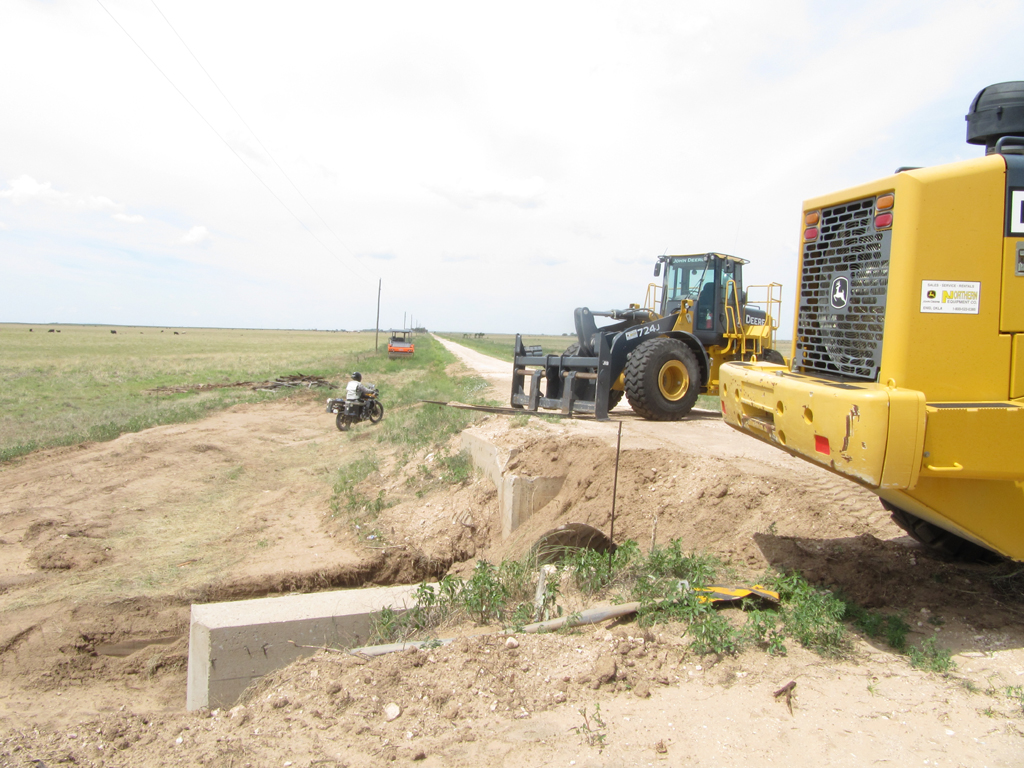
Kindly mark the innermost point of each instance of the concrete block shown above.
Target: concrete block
(486, 456)
(233, 644)
(519, 498)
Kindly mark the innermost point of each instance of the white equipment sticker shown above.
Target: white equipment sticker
(950, 297)
(1017, 212)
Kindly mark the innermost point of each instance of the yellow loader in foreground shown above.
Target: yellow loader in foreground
(907, 373)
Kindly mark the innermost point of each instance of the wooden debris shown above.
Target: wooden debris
(787, 689)
(292, 380)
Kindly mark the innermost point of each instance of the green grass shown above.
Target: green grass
(86, 383)
(412, 428)
(502, 345)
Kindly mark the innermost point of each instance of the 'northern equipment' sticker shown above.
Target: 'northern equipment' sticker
(950, 297)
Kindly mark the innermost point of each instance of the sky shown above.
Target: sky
(491, 166)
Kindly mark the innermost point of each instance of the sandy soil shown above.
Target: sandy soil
(104, 547)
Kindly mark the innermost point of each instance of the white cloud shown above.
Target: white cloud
(25, 188)
(100, 203)
(129, 218)
(522, 193)
(2, 226)
(195, 235)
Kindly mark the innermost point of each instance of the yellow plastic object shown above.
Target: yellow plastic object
(721, 594)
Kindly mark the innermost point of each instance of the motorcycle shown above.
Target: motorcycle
(367, 408)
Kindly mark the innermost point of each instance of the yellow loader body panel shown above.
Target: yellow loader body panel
(908, 366)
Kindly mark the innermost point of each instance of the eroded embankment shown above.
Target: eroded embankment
(754, 515)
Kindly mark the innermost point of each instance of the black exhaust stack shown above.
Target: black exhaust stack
(997, 112)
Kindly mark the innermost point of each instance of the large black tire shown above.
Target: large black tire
(376, 412)
(937, 538)
(772, 356)
(662, 379)
(341, 421)
(586, 389)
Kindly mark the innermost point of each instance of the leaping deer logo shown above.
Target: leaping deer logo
(840, 292)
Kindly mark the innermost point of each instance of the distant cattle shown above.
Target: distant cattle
(113, 331)
(50, 331)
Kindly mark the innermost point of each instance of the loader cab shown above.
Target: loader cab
(702, 285)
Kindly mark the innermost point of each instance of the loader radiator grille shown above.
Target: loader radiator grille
(841, 312)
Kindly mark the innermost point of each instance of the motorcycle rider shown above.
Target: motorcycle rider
(356, 389)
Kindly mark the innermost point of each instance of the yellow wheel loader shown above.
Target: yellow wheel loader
(661, 355)
(907, 373)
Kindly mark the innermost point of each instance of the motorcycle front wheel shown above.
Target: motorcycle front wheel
(376, 412)
(341, 422)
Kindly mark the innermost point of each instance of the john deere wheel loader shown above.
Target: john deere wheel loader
(660, 355)
(908, 366)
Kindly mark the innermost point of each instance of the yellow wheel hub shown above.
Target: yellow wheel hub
(673, 380)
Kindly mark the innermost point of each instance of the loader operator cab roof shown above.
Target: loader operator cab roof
(706, 280)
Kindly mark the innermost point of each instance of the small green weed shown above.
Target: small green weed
(594, 730)
(591, 570)
(812, 617)
(501, 593)
(893, 628)
(1016, 692)
(762, 630)
(931, 657)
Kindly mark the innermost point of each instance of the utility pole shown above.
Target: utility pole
(376, 329)
(404, 326)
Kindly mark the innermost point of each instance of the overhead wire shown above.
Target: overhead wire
(226, 143)
(254, 135)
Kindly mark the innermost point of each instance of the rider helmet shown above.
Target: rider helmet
(357, 376)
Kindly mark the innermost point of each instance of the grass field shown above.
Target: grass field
(502, 345)
(86, 383)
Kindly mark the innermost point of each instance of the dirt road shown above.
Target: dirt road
(103, 547)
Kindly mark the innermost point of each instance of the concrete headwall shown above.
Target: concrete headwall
(519, 497)
(232, 644)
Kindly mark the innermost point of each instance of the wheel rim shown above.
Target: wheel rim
(673, 380)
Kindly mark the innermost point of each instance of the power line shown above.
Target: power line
(249, 128)
(225, 141)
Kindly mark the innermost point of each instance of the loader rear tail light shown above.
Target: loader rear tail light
(885, 202)
(812, 218)
(821, 445)
(811, 233)
(883, 221)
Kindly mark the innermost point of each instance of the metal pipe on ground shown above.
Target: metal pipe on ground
(589, 616)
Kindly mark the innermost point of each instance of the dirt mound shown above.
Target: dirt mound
(600, 697)
(710, 503)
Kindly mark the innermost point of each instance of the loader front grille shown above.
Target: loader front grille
(843, 285)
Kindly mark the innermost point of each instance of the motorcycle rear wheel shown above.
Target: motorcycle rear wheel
(341, 422)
